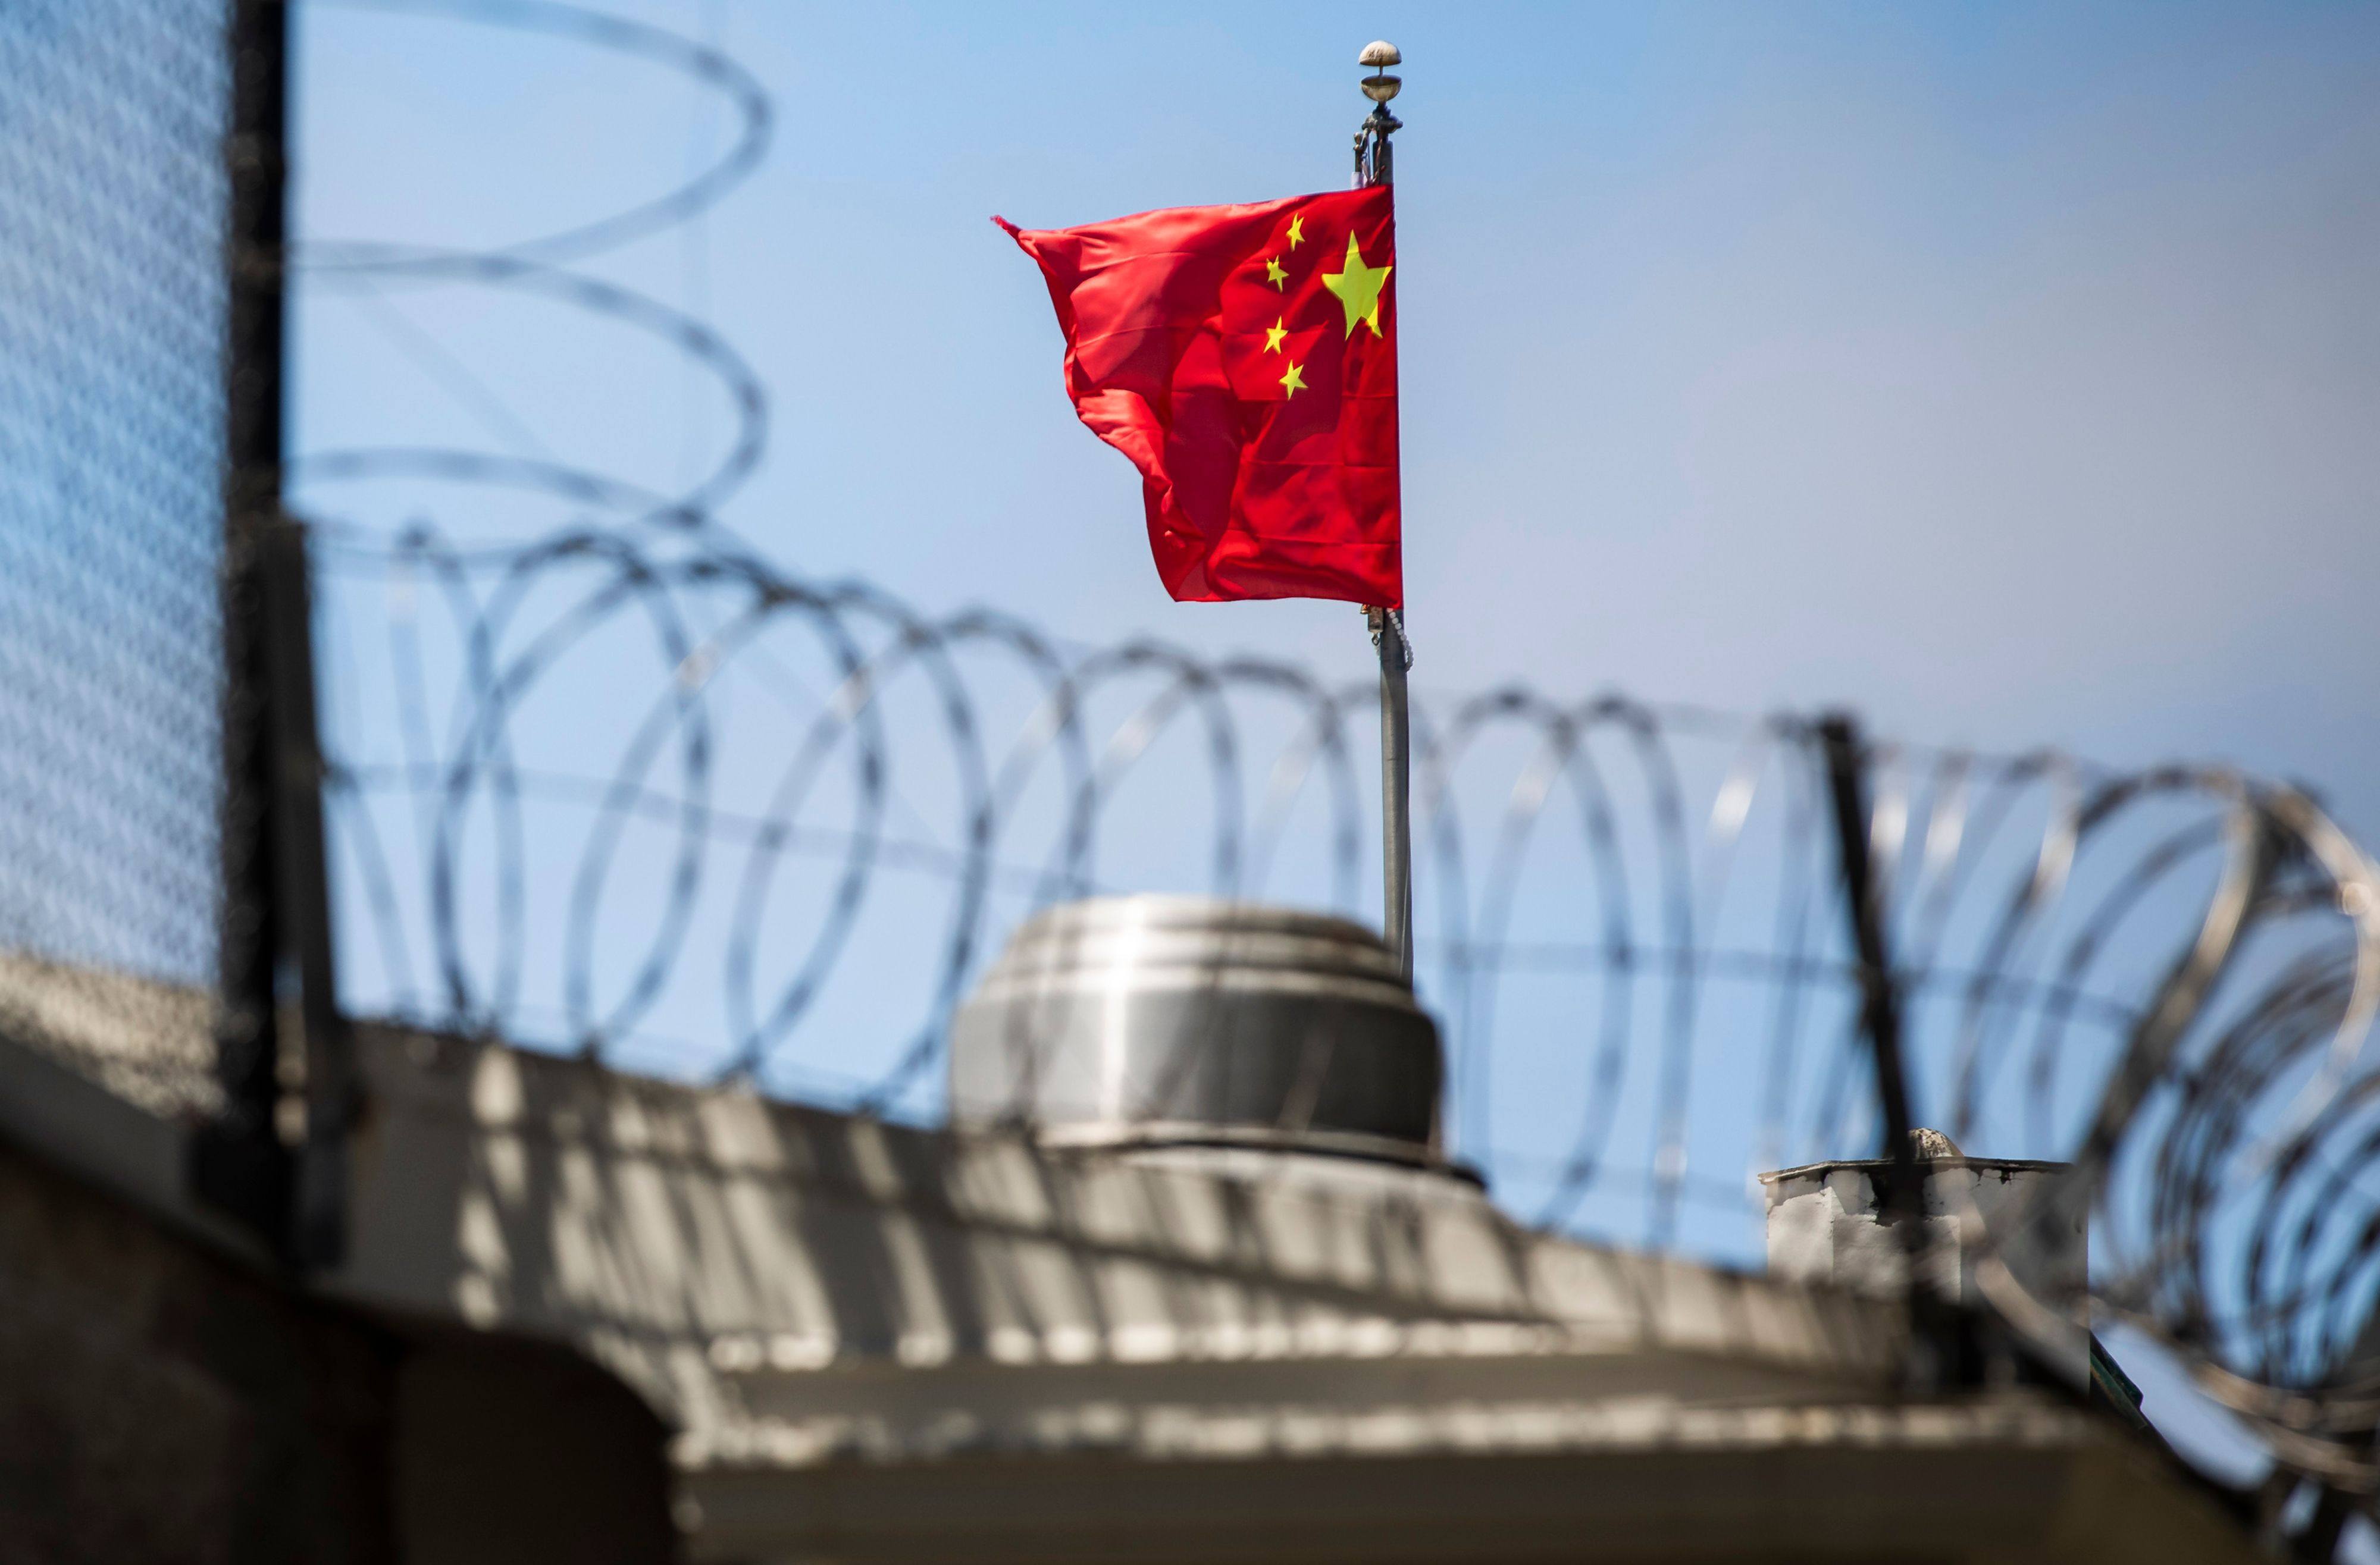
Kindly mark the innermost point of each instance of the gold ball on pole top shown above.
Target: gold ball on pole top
(1380, 55)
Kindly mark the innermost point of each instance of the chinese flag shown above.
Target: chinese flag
(1245, 359)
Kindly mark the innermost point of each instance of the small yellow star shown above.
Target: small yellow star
(1273, 333)
(1297, 230)
(1293, 383)
(1273, 273)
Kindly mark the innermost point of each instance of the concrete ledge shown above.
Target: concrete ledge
(863, 1341)
(690, 1236)
(2033, 1489)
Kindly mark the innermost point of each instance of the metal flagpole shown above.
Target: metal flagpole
(1373, 166)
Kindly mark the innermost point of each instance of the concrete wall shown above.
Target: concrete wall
(161, 1402)
(870, 1342)
(158, 1403)
(518, 1453)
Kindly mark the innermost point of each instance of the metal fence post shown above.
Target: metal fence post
(275, 1159)
(1904, 1203)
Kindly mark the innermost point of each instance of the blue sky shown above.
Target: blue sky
(2009, 371)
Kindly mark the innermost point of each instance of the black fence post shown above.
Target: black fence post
(326, 1086)
(1904, 1203)
(274, 1158)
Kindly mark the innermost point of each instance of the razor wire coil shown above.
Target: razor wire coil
(2166, 976)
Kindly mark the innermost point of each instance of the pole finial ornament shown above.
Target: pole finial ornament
(1372, 161)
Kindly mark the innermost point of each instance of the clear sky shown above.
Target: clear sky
(2011, 371)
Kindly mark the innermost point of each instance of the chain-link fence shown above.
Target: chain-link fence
(112, 310)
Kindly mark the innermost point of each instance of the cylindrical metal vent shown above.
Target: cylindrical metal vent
(1155, 1020)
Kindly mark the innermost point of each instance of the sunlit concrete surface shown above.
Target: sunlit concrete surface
(867, 1341)
(878, 1343)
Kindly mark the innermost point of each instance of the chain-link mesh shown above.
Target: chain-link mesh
(111, 294)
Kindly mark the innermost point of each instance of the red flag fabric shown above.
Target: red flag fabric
(1245, 359)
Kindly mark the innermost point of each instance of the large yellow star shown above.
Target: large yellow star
(1274, 332)
(1358, 288)
(1296, 230)
(1293, 383)
(1273, 273)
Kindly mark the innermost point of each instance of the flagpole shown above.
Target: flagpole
(1374, 166)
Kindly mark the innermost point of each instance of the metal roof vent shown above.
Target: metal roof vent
(1161, 1020)
(1834, 1222)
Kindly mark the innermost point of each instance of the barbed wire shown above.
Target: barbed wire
(2065, 930)
(581, 776)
